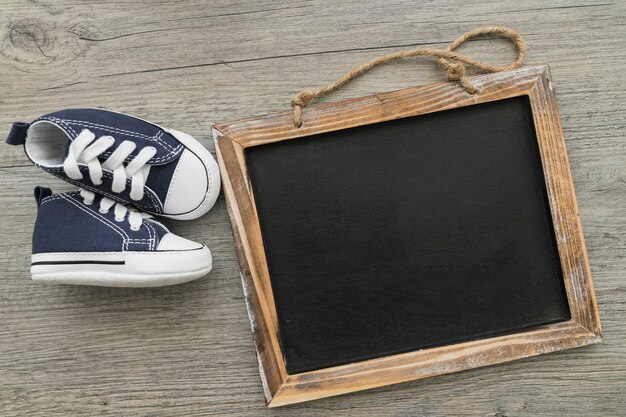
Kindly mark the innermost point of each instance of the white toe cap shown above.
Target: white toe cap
(178, 203)
(188, 187)
(173, 242)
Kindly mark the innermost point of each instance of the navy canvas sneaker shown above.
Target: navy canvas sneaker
(83, 238)
(158, 170)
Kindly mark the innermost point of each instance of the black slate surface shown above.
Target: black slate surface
(407, 234)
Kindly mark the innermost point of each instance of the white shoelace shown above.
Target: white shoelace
(135, 218)
(84, 149)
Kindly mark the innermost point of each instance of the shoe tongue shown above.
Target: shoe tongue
(67, 148)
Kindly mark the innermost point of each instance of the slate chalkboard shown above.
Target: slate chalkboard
(407, 234)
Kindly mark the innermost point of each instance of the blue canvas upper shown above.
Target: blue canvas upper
(65, 223)
(122, 128)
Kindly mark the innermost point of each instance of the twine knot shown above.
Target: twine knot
(302, 99)
(455, 70)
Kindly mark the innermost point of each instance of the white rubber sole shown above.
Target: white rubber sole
(121, 269)
(213, 172)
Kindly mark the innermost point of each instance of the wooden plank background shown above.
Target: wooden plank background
(187, 349)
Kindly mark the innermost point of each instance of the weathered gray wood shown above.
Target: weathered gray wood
(187, 350)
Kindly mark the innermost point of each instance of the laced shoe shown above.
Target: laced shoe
(158, 170)
(83, 238)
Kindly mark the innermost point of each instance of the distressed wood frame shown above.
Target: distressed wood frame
(281, 388)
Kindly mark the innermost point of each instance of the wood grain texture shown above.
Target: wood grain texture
(281, 388)
(187, 350)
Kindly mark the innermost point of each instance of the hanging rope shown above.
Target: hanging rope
(450, 61)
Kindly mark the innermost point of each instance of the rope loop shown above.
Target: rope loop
(453, 63)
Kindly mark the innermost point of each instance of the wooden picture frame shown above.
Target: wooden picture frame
(281, 388)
